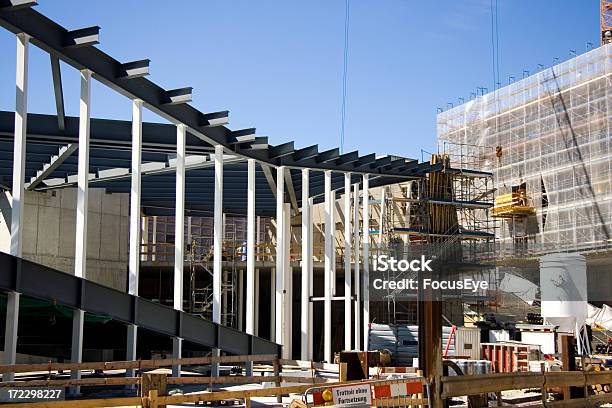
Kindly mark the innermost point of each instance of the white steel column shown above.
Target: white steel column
(280, 252)
(217, 245)
(306, 266)
(179, 218)
(327, 315)
(356, 263)
(310, 281)
(250, 250)
(19, 146)
(366, 259)
(348, 236)
(288, 282)
(80, 255)
(333, 242)
(179, 237)
(17, 204)
(135, 221)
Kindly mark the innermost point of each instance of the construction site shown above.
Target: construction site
(184, 263)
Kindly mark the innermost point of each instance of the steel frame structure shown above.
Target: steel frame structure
(174, 171)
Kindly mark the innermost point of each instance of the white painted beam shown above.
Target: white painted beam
(135, 197)
(179, 217)
(306, 266)
(310, 282)
(366, 259)
(327, 312)
(348, 235)
(218, 234)
(356, 263)
(280, 251)
(18, 195)
(19, 145)
(288, 285)
(56, 160)
(250, 249)
(80, 255)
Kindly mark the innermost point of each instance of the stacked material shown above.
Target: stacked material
(402, 341)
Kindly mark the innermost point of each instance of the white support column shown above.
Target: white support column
(76, 352)
(333, 242)
(19, 146)
(327, 314)
(240, 302)
(280, 252)
(10, 332)
(366, 259)
(135, 221)
(179, 237)
(310, 281)
(288, 281)
(179, 217)
(272, 304)
(17, 204)
(217, 245)
(356, 263)
(306, 266)
(250, 251)
(256, 305)
(80, 254)
(348, 236)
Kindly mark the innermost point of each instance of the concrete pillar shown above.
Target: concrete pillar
(356, 263)
(280, 252)
(80, 255)
(18, 192)
(217, 246)
(306, 266)
(348, 236)
(135, 221)
(327, 315)
(366, 259)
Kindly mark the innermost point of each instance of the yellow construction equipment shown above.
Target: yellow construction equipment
(512, 205)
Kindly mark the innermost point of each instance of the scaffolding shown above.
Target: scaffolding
(547, 141)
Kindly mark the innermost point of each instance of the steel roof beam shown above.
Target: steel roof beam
(177, 96)
(242, 136)
(134, 69)
(281, 150)
(348, 158)
(83, 37)
(306, 153)
(215, 119)
(327, 155)
(56, 73)
(17, 4)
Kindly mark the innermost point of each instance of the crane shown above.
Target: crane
(605, 21)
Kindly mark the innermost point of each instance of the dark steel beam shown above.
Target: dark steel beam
(83, 37)
(58, 92)
(134, 69)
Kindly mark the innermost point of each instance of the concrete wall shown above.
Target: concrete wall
(49, 233)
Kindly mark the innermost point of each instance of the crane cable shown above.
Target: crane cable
(344, 73)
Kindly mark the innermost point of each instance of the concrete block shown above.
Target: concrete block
(49, 199)
(30, 228)
(31, 197)
(67, 232)
(111, 204)
(48, 230)
(93, 235)
(68, 198)
(124, 239)
(125, 204)
(95, 199)
(110, 231)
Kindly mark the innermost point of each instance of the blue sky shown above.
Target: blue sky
(277, 65)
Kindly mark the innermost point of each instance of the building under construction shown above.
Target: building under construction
(218, 259)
